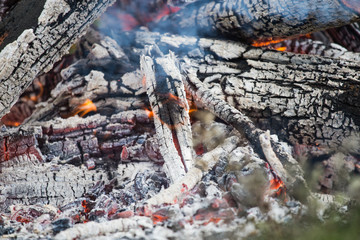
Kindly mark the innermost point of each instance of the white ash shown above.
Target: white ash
(255, 215)
(98, 52)
(278, 213)
(52, 10)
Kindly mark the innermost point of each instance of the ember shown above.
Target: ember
(191, 134)
(278, 187)
(266, 42)
(37, 98)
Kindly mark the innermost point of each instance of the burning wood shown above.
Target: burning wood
(172, 120)
(240, 20)
(126, 166)
(83, 109)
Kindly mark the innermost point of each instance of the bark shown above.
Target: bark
(255, 20)
(57, 161)
(347, 36)
(309, 46)
(304, 99)
(170, 109)
(32, 41)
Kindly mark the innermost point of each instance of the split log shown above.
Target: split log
(170, 109)
(32, 41)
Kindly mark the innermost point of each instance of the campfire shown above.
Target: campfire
(166, 121)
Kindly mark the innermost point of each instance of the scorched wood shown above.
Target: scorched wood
(36, 159)
(305, 99)
(170, 109)
(249, 20)
(35, 34)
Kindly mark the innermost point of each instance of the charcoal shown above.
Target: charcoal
(60, 225)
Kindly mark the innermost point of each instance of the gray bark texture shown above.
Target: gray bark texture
(302, 98)
(305, 99)
(35, 34)
(170, 108)
(37, 156)
(249, 20)
(55, 162)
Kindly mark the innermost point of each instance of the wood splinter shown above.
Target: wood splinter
(167, 98)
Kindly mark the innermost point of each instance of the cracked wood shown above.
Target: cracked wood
(36, 39)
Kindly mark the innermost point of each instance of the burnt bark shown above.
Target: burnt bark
(57, 161)
(303, 98)
(53, 142)
(249, 21)
(34, 35)
(226, 77)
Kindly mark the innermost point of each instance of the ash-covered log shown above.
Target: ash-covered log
(256, 20)
(171, 113)
(34, 35)
(304, 99)
(113, 156)
(36, 159)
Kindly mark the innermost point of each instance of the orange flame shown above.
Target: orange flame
(149, 113)
(169, 98)
(85, 108)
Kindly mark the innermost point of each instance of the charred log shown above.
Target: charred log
(90, 148)
(304, 99)
(259, 20)
(33, 40)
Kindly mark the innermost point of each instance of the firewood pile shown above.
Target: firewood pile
(166, 121)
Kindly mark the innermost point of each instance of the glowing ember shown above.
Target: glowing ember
(128, 21)
(10, 123)
(266, 42)
(277, 186)
(85, 108)
(281, 49)
(158, 218)
(166, 10)
(84, 204)
(213, 220)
